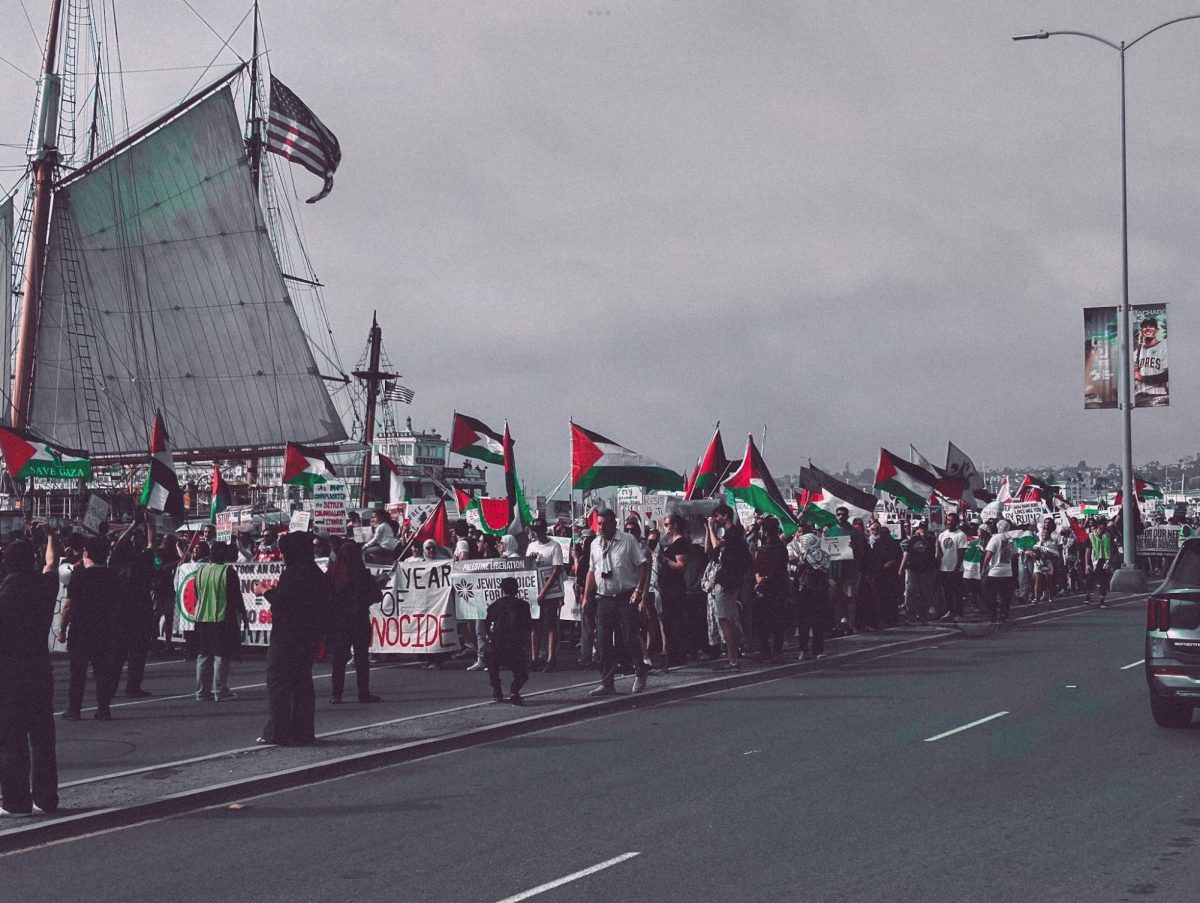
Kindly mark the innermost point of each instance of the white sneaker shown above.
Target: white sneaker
(639, 683)
(602, 690)
(4, 813)
(478, 666)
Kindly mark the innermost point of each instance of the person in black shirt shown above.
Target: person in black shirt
(89, 628)
(27, 739)
(672, 557)
(132, 559)
(919, 566)
(507, 627)
(301, 605)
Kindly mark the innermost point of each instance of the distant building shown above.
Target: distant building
(423, 461)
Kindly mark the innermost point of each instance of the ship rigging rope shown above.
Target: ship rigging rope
(33, 31)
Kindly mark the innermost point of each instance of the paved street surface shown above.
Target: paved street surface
(856, 783)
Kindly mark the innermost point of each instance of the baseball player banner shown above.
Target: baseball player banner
(1150, 389)
(1099, 358)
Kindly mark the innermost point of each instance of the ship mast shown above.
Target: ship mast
(372, 376)
(42, 169)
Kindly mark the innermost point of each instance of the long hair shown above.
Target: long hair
(348, 566)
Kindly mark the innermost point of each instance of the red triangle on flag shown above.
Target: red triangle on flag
(584, 453)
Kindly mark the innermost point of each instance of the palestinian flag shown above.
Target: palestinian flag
(436, 527)
(391, 483)
(489, 515)
(947, 486)
(221, 496)
(161, 492)
(473, 438)
(304, 466)
(597, 462)
(1025, 541)
(752, 483)
(909, 484)
(463, 500)
(1090, 509)
(1144, 489)
(822, 495)
(712, 467)
(690, 481)
(973, 552)
(961, 468)
(1034, 490)
(27, 456)
(519, 516)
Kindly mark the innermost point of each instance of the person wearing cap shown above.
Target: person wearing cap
(1150, 366)
(918, 564)
(550, 597)
(998, 566)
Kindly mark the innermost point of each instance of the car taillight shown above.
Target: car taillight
(1158, 614)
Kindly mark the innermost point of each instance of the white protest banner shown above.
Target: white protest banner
(224, 525)
(98, 511)
(255, 577)
(329, 505)
(477, 584)
(300, 521)
(416, 614)
(1025, 514)
(1159, 540)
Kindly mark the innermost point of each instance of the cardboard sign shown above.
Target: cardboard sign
(837, 546)
(224, 525)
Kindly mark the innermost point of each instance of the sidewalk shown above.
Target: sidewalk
(428, 712)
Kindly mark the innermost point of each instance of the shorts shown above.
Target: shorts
(548, 613)
(723, 603)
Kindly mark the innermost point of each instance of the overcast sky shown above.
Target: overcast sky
(859, 223)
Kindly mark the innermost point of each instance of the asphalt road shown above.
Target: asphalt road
(829, 786)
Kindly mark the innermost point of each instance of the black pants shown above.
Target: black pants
(814, 612)
(997, 596)
(27, 744)
(674, 625)
(356, 637)
(515, 661)
(106, 668)
(291, 700)
(617, 621)
(950, 584)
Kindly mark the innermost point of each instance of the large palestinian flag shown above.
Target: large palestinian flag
(822, 495)
(909, 484)
(1033, 489)
(1144, 489)
(304, 466)
(712, 467)
(752, 483)
(27, 456)
(519, 516)
(597, 462)
(473, 438)
(221, 496)
(161, 492)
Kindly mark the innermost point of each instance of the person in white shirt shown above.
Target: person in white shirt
(550, 596)
(952, 543)
(382, 547)
(616, 588)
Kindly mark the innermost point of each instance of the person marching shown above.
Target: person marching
(355, 590)
(506, 628)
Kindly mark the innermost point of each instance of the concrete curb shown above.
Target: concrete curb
(36, 831)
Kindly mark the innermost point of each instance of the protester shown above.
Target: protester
(355, 590)
(952, 543)
(845, 575)
(132, 559)
(998, 566)
(671, 556)
(550, 597)
(163, 591)
(382, 547)
(814, 607)
(1099, 553)
(219, 618)
(918, 563)
(972, 565)
(89, 627)
(616, 588)
(771, 590)
(506, 628)
(729, 562)
(301, 603)
(879, 594)
(28, 759)
(589, 650)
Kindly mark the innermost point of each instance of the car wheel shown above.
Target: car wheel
(1169, 713)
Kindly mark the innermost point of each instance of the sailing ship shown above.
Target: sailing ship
(147, 277)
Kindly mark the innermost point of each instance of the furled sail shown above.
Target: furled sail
(162, 291)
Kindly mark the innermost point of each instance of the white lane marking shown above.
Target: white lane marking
(1140, 661)
(966, 727)
(542, 888)
(1072, 687)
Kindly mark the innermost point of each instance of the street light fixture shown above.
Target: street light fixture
(1129, 578)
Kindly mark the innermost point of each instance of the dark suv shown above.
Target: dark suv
(1173, 640)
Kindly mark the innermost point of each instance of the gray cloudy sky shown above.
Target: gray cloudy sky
(860, 223)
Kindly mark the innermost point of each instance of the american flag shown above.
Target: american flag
(294, 132)
(395, 392)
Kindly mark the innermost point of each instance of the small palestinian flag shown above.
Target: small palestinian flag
(161, 492)
(519, 516)
(823, 495)
(463, 500)
(1025, 541)
(909, 484)
(27, 456)
(304, 466)
(221, 496)
(1034, 490)
(473, 438)
(436, 527)
(712, 467)
(392, 487)
(597, 462)
(752, 483)
(973, 553)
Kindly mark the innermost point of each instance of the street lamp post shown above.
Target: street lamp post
(1129, 578)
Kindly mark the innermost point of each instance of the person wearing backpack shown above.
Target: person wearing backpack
(506, 628)
(814, 609)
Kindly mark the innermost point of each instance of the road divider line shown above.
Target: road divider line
(966, 727)
(1140, 661)
(567, 879)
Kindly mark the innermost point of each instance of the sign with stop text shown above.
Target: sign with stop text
(416, 613)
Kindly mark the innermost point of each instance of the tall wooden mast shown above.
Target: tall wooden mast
(42, 170)
(372, 376)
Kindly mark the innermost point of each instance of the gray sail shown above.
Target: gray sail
(6, 261)
(162, 292)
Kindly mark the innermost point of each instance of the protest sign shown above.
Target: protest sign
(329, 508)
(224, 525)
(1161, 540)
(255, 578)
(98, 511)
(1024, 514)
(416, 614)
(300, 521)
(837, 545)
(477, 584)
